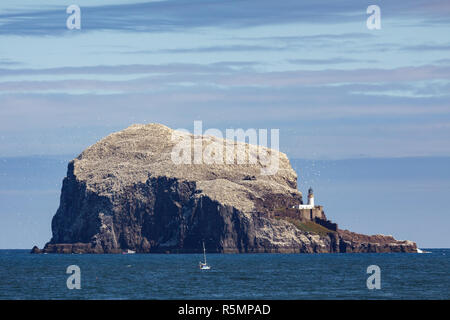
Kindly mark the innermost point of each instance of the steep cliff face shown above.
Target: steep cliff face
(126, 192)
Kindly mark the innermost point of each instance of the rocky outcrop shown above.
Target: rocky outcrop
(127, 192)
(354, 242)
(35, 250)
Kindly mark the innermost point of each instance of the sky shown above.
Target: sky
(334, 88)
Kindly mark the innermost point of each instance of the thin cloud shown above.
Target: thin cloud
(209, 49)
(224, 76)
(329, 61)
(121, 69)
(8, 62)
(179, 15)
(427, 47)
(335, 76)
(315, 37)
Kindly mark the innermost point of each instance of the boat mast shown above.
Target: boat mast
(204, 252)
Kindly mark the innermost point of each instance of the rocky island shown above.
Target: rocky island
(126, 193)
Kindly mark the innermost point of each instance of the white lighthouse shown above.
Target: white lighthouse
(310, 204)
(311, 197)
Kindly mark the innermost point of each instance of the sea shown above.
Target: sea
(232, 276)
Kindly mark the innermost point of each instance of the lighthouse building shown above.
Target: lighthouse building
(310, 204)
(310, 212)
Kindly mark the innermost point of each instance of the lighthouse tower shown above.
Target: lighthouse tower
(310, 204)
(311, 197)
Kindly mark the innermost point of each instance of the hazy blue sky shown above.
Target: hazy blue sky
(335, 89)
(310, 68)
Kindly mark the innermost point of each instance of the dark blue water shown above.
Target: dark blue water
(233, 276)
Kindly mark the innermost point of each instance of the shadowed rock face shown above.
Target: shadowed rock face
(125, 192)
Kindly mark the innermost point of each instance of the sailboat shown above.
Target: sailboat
(204, 265)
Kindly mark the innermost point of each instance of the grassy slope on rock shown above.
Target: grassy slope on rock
(307, 226)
